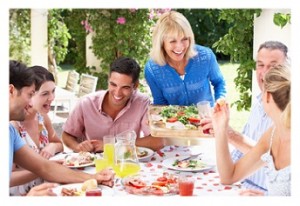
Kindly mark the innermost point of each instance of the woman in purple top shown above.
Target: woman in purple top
(180, 72)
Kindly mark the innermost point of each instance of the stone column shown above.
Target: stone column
(39, 37)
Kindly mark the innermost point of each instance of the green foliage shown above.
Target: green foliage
(206, 26)
(19, 35)
(281, 19)
(238, 43)
(112, 40)
(58, 35)
(77, 43)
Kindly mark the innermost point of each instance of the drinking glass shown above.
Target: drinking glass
(109, 149)
(204, 111)
(186, 186)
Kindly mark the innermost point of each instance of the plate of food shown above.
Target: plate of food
(156, 184)
(187, 165)
(144, 154)
(87, 188)
(76, 160)
(175, 121)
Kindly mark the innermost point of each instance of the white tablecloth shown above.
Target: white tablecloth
(207, 182)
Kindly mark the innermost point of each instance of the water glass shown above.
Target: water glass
(204, 111)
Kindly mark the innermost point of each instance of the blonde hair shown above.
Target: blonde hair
(277, 82)
(169, 24)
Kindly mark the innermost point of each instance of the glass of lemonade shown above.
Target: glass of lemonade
(109, 149)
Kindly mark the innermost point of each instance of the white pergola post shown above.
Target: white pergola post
(266, 30)
(39, 37)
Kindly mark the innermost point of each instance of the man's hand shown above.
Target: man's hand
(88, 146)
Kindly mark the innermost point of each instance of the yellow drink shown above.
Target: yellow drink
(101, 164)
(109, 153)
(126, 168)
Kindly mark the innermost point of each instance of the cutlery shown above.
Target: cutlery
(195, 156)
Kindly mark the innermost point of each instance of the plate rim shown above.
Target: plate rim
(208, 166)
(72, 167)
(148, 156)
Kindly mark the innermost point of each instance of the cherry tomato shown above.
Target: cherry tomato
(162, 179)
(137, 183)
(194, 120)
(172, 119)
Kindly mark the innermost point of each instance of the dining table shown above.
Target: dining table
(206, 181)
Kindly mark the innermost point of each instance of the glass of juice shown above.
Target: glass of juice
(94, 192)
(186, 186)
(109, 149)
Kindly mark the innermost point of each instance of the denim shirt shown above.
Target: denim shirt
(203, 80)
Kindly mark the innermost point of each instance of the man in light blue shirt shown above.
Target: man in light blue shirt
(21, 89)
(269, 53)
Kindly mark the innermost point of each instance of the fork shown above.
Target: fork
(192, 157)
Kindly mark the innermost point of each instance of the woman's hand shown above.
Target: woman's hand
(44, 189)
(251, 192)
(105, 177)
(48, 151)
(220, 117)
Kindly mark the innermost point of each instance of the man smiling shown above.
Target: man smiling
(112, 111)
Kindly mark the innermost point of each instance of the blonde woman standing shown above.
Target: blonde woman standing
(273, 149)
(179, 72)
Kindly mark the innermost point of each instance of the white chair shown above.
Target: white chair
(72, 81)
(65, 97)
(88, 84)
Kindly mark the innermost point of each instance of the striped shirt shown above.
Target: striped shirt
(256, 126)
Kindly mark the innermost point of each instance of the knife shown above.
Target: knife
(192, 157)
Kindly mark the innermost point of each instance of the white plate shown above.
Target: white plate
(106, 191)
(148, 156)
(168, 163)
(62, 157)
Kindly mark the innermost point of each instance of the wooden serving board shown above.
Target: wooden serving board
(158, 125)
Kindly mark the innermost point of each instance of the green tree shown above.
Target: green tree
(19, 35)
(238, 43)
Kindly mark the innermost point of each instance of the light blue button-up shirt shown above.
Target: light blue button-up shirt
(257, 125)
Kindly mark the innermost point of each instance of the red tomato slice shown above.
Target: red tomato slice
(137, 183)
(194, 120)
(172, 119)
(162, 179)
(160, 183)
(156, 191)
